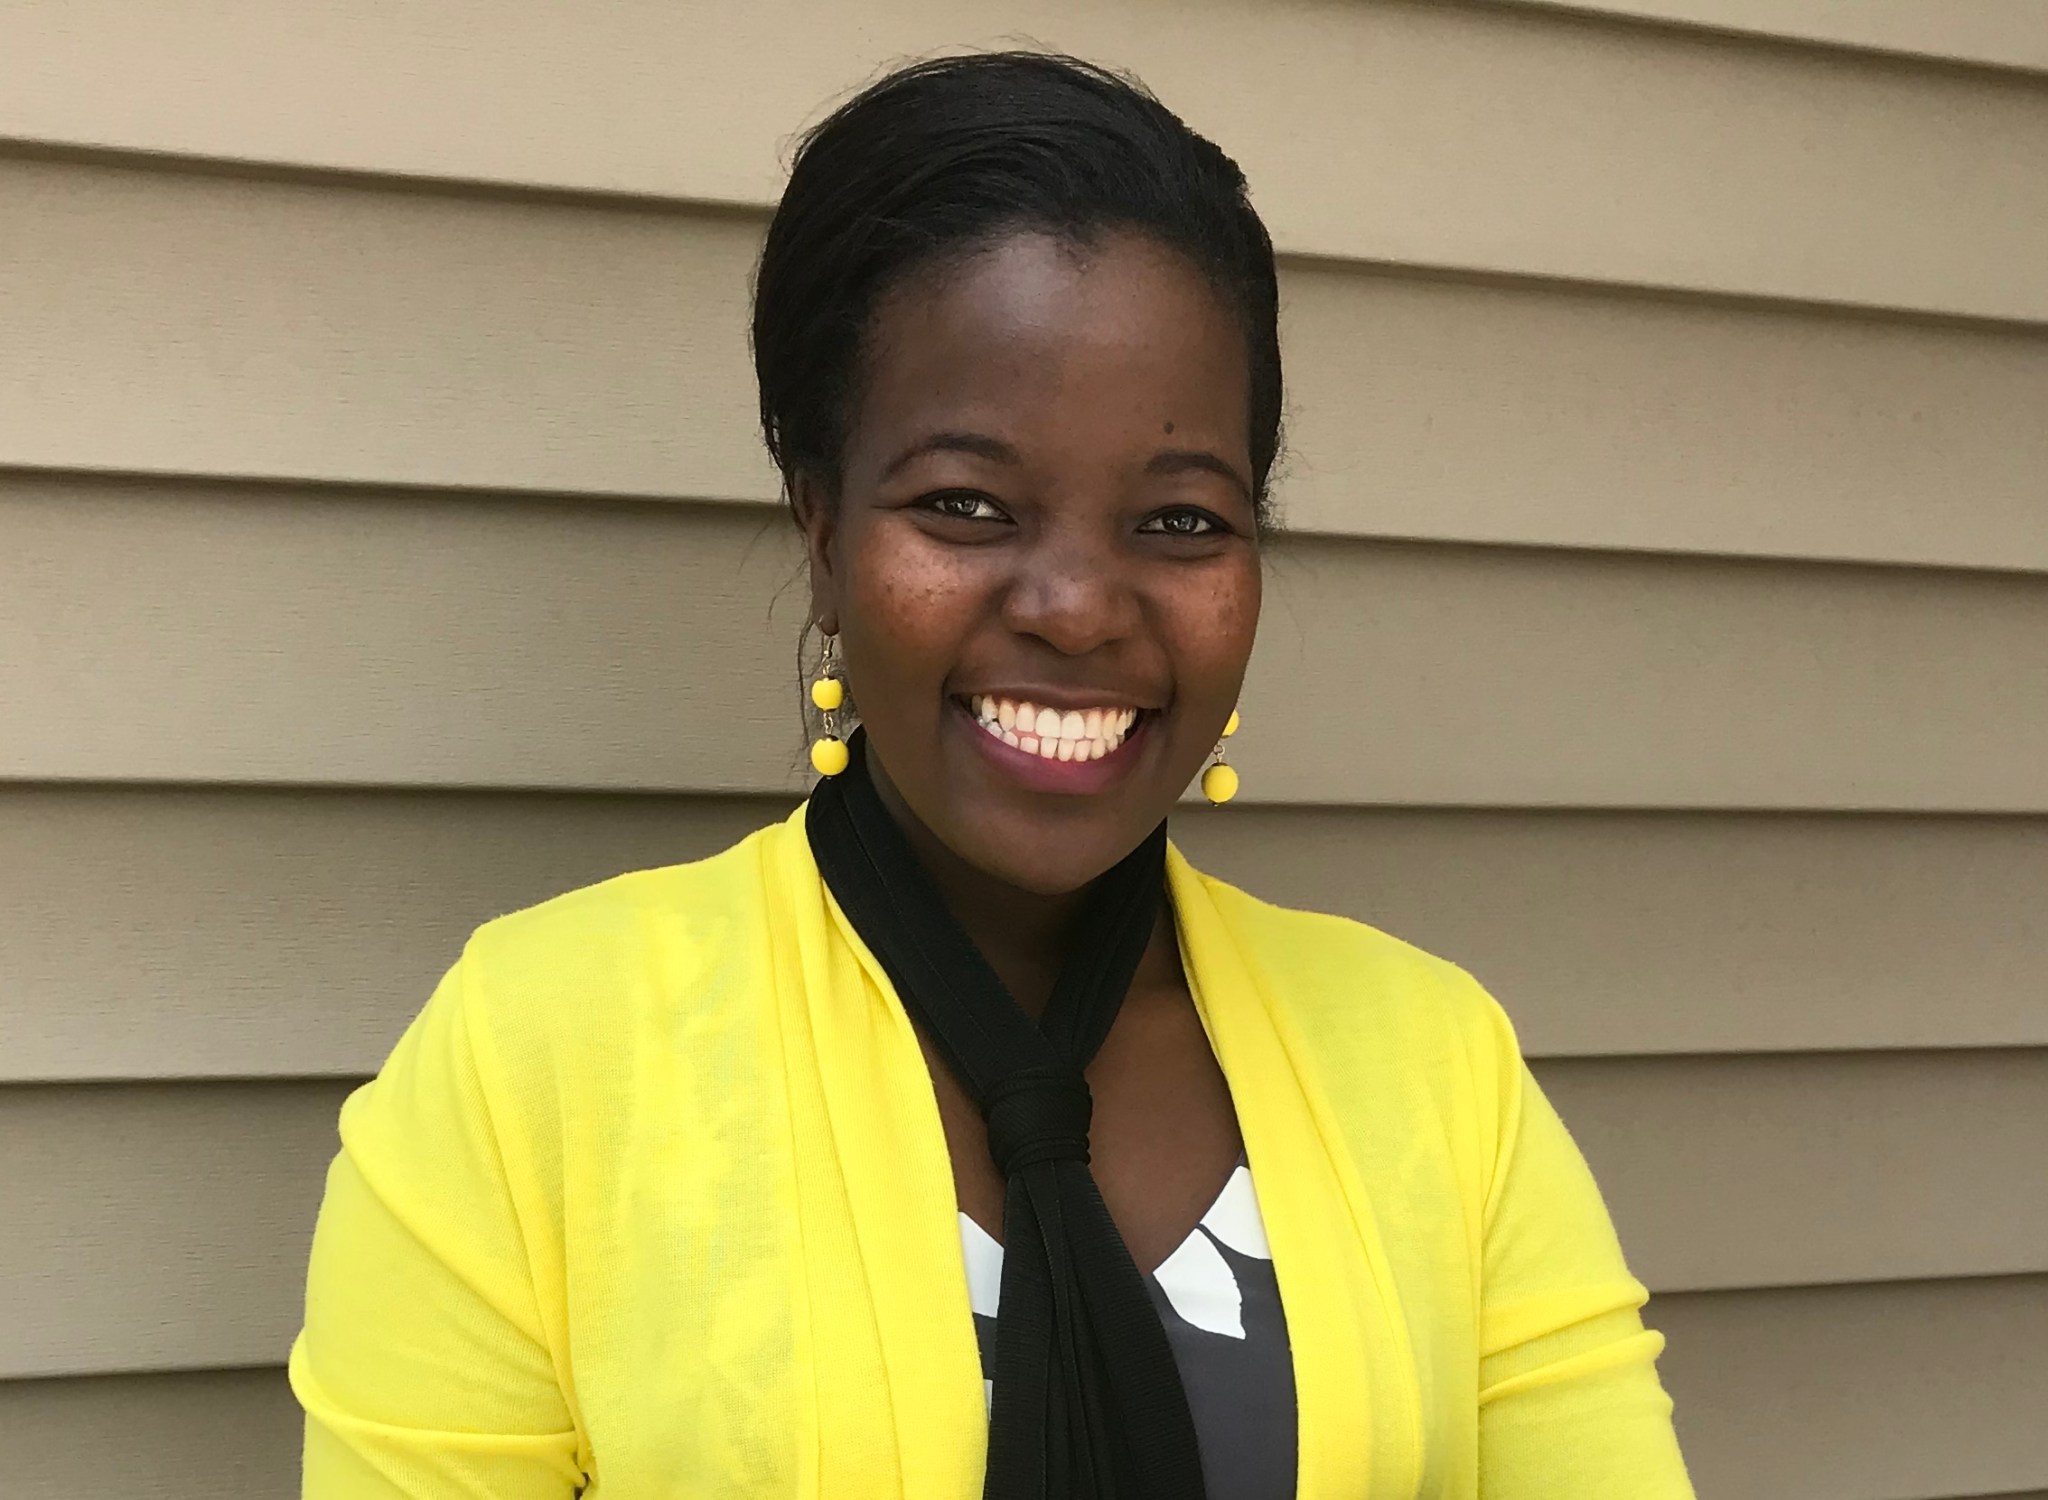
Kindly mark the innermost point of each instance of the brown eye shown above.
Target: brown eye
(1182, 521)
(963, 505)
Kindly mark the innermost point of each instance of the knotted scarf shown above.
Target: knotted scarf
(1088, 1401)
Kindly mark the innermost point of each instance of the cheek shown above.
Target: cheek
(911, 605)
(1215, 627)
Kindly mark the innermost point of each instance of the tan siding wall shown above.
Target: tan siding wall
(258, 635)
(1664, 633)
(371, 336)
(200, 932)
(2005, 33)
(1482, 139)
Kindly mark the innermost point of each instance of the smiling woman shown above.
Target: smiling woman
(955, 1135)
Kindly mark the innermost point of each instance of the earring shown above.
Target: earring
(1219, 782)
(828, 753)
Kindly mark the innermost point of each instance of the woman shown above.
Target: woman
(955, 1135)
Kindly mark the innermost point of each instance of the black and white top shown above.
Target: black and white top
(1220, 1302)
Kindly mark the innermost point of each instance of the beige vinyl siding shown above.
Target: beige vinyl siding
(210, 634)
(199, 1433)
(1862, 1392)
(199, 932)
(1662, 632)
(362, 335)
(2005, 33)
(1422, 134)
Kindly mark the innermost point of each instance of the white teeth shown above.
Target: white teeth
(1075, 735)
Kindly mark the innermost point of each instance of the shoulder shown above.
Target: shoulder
(1357, 992)
(594, 972)
(1393, 1034)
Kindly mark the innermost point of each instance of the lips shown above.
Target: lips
(1074, 734)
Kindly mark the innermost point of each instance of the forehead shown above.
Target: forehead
(1122, 335)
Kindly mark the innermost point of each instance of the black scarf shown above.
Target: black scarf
(1088, 1401)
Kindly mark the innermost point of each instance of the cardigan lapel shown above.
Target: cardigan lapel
(898, 1374)
(1357, 1436)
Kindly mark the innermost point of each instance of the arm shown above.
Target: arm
(424, 1367)
(1569, 1401)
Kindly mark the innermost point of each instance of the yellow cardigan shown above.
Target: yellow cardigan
(652, 1198)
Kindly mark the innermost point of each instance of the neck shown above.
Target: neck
(1023, 934)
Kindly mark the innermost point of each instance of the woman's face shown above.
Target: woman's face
(1042, 563)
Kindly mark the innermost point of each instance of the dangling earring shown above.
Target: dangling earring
(828, 753)
(1219, 782)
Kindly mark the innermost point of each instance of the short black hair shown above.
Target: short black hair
(943, 157)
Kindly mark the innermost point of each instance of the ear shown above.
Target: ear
(817, 517)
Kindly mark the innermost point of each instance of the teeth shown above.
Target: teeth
(1075, 735)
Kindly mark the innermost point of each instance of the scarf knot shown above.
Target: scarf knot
(1036, 1115)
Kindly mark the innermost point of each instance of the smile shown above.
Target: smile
(1083, 734)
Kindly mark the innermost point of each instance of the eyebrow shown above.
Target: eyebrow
(974, 444)
(1184, 460)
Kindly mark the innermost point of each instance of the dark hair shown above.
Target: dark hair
(941, 158)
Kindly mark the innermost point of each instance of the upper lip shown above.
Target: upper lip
(1064, 699)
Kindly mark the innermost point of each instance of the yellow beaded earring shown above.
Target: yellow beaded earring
(1219, 782)
(828, 753)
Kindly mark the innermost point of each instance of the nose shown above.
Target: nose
(1073, 590)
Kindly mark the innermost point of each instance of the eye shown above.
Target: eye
(962, 505)
(1183, 520)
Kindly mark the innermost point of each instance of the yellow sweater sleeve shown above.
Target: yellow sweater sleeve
(423, 1366)
(1569, 1400)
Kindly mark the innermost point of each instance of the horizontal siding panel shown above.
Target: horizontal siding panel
(165, 1225)
(1650, 933)
(151, 932)
(1760, 1171)
(297, 637)
(1862, 1393)
(1517, 141)
(194, 1435)
(2002, 33)
(157, 1226)
(176, 323)
(1518, 413)
(193, 933)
